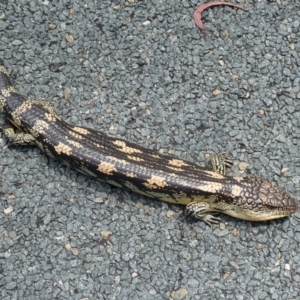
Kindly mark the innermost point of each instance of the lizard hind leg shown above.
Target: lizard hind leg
(21, 138)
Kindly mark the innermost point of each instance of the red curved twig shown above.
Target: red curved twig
(201, 8)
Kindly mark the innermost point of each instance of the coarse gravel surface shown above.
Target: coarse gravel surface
(143, 71)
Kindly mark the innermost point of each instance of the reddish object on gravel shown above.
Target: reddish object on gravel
(201, 8)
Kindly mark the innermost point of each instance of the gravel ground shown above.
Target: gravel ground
(141, 70)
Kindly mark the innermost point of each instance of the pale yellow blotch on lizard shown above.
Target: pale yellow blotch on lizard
(213, 174)
(155, 182)
(154, 155)
(213, 187)
(125, 148)
(236, 191)
(39, 127)
(41, 124)
(22, 108)
(50, 117)
(239, 179)
(6, 92)
(135, 158)
(106, 168)
(80, 130)
(176, 163)
(76, 144)
(76, 135)
(62, 148)
(175, 169)
(130, 174)
(4, 70)
(98, 145)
